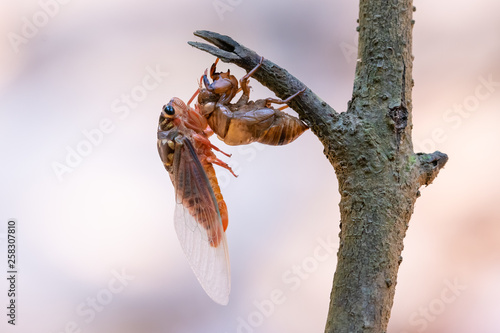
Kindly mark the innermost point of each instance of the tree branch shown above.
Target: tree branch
(317, 114)
(430, 165)
(370, 148)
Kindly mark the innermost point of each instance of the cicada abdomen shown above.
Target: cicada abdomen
(200, 214)
(254, 123)
(245, 121)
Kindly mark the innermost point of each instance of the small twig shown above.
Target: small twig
(430, 164)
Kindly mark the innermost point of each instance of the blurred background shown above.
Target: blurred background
(81, 90)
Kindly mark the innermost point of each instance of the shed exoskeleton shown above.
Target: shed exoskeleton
(245, 121)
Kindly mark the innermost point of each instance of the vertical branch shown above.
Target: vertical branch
(370, 148)
(377, 182)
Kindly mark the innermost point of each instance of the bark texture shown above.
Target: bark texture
(371, 150)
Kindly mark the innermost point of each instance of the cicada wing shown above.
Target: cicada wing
(198, 224)
(210, 264)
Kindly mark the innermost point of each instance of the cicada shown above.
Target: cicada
(200, 216)
(245, 121)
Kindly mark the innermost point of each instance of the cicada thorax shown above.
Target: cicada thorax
(224, 85)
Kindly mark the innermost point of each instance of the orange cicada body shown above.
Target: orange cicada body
(245, 121)
(200, 214)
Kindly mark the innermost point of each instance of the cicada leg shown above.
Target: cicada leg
(212, 70)
(247, 75)
(215, 160)
(203, 140)
(208, 131)
(244, 80)
(194, 95)
(271, 100)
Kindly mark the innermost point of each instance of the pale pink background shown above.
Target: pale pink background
(114, 211)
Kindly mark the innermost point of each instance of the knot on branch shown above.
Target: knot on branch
(429, 166)
(399, 116)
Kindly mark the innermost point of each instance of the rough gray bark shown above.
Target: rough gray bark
(371, 150)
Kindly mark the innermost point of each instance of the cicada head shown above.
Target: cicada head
(172, 114)
(207, 100)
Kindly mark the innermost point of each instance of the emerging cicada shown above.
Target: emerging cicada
(200, 213)
(245, 121)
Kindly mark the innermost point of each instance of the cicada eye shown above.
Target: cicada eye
(169, 110)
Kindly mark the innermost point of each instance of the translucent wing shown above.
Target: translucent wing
(198, 224)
